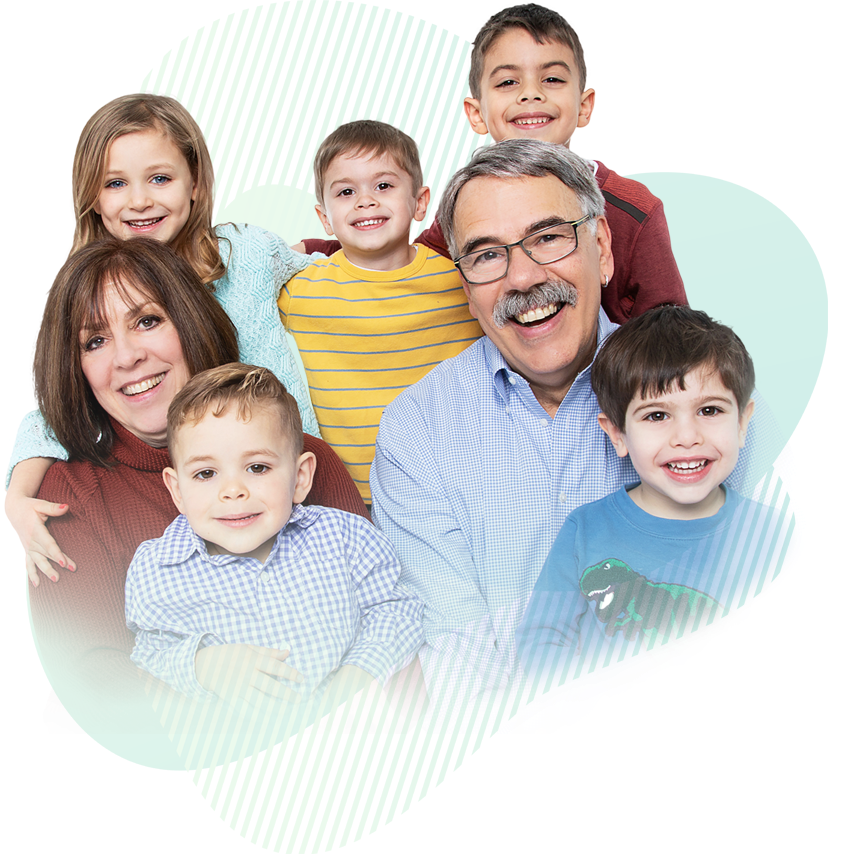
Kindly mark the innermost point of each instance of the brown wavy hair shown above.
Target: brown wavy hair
(76, 302)
(197, 241)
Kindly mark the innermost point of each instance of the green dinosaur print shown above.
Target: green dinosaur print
(670, 616)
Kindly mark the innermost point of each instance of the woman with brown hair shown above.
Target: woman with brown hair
(126, 324)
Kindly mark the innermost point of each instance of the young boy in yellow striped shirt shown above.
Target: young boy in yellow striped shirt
(376, 316)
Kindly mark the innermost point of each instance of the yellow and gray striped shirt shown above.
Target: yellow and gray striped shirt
(365, 335)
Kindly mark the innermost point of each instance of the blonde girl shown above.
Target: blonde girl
(142, 168)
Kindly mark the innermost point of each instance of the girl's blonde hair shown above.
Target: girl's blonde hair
(196, 242)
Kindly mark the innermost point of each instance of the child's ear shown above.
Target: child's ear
(305, 467)
(422, 199)
(744, 420)
(614, 434)
(193, 194)
(327, 225)
(475, 116)
(585, 110)
(170, 478)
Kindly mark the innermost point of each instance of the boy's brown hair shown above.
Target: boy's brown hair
(543, 25)
(368, 137)
(76, 303)
(246, 388)
(652, 353)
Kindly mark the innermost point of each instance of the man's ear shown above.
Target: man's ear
(475, 116)
(327, 225)
(606, 257)
(422, 199)
(170, 478)
(305, 468)
(614, 434)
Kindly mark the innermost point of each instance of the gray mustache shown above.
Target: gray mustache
(518, 302)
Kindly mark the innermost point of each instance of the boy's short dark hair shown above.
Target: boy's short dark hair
(543, 25)
(653, 352)
(368, 137)
(244, 386)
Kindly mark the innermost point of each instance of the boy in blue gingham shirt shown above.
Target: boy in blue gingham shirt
(248, 594)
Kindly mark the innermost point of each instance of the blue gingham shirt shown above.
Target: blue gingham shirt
(329, 592)
(471, 482)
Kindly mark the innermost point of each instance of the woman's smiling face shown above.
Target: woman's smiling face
(134, 362)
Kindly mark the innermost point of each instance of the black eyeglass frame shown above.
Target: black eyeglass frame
(521, 244)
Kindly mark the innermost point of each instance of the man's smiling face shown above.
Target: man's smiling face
(550, 350)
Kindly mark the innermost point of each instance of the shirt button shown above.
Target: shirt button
(562, 497)
(265, 575)
(544, 422)
(512, 380)
(507, 409)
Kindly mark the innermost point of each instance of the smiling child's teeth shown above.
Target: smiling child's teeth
(366, 222)
(537, 313)
(687, 466)
(141, 223)
(537, 121)
(145, 385)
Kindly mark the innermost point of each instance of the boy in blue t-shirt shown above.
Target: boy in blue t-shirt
(673, 551)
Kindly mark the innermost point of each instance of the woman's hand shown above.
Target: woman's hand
(28, 517)
(241, 671)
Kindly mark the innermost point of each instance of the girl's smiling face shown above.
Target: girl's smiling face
(147, 189)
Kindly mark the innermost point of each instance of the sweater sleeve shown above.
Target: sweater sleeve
(34, 439)
(653, 273)
(333, 486)
(258, 265)
(434, 239)
(324, 247)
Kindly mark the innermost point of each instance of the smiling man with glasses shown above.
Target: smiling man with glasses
(478, 464)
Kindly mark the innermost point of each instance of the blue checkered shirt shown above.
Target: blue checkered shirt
(471, 482)
(329, 592)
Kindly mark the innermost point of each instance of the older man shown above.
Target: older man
(478, 464)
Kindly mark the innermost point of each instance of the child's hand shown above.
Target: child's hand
(28, 517)
(299, 247)
(241, 671)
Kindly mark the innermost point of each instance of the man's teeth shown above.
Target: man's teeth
(540, 120)
(693, 465)
(538, 313)
(140, 387)
(364, 223)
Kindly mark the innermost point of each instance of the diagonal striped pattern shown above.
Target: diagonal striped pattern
(267, 84)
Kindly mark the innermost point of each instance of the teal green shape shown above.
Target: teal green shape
(748, 265)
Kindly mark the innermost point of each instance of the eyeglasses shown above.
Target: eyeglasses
(484, 266)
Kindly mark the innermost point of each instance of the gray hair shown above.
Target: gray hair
(522, 158)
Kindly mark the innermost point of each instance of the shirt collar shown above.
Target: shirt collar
(180, 542)
(500, 371)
